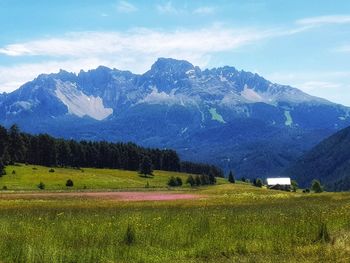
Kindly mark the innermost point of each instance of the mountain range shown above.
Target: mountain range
(232, 118)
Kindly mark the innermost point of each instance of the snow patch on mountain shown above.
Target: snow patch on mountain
(79, 103)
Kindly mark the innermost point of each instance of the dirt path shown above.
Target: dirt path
(122, 196)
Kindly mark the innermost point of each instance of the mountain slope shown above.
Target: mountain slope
(232, 118)
(329, 162)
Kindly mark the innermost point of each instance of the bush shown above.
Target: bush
(307, 190)
(51, 170)
(129, 237)
(41, 186)
(4, 187)
(13, 172)
(69, 183)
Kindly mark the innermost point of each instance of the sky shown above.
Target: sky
(305, 44)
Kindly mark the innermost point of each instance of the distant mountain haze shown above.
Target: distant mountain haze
(235, 119)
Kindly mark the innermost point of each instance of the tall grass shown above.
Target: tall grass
(233, 224)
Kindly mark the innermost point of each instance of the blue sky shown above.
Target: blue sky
(305, 44)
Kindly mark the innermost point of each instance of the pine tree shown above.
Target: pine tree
(197, 179)
(190, 180)
(16, 148)
(316, 186)
(2, 168)
(231, 178)
(146, 166)
(258, 182)
(172, 181)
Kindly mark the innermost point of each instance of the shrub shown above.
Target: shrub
(243, 179)
(172, 181)
(51, 170)
(307, 190)
(41, 186)
(129, 237)
(69, 183)
(13, 172)
(4, 187)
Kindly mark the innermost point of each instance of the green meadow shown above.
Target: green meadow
(27, 177)
(226, 223)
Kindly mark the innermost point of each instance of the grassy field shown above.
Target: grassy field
(229, 223)
(27, 177)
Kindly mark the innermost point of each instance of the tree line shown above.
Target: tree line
(43, 149)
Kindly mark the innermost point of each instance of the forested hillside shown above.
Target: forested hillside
(43, 149)
(329, 162)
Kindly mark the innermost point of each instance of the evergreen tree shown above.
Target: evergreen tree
(146, 166)
(3, 142)
(231, 178)
(197, 180)
(16, 148)
(316, 186)
(190, 180)
(2, 168)
(63, 153)
(212, 179)
(257, 182)
(178, 181)
(172, 181)
(294, 185)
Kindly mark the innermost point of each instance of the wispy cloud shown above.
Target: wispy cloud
(333, 85)
(126, 7)
(204, 10)
(324, 20)
(168, 8)
(343, 49)
(134, 50)
(83, 44)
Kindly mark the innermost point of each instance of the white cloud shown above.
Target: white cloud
(324, 20)
(126, 7)
(88, 44)
(168, 8)
(343, 49)
(204, 10)
(133, 50)
(333, 85)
